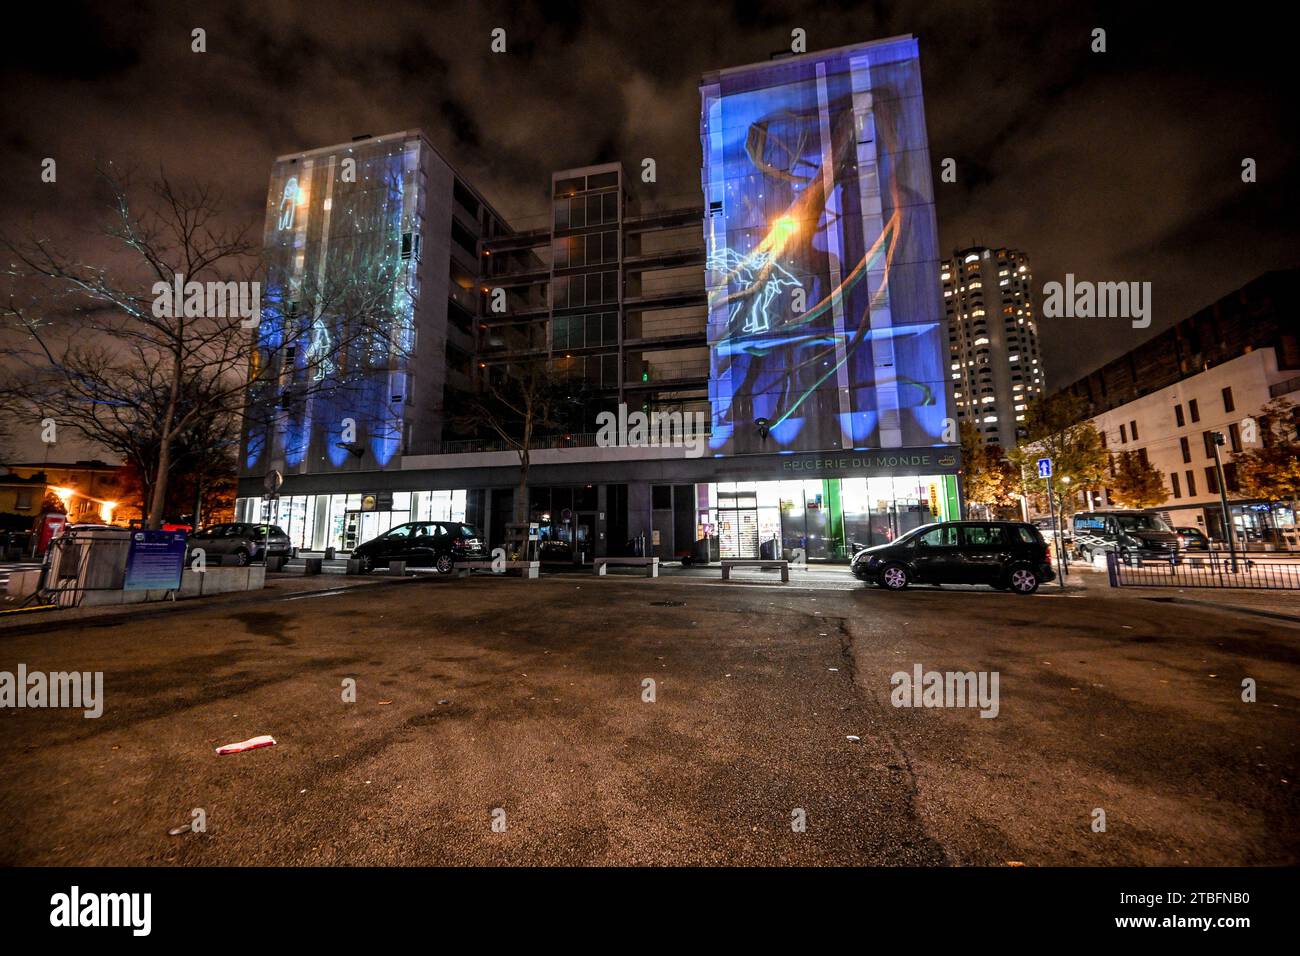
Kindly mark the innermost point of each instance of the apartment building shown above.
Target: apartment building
(796, 308)
(1212, 372)
(994, 365)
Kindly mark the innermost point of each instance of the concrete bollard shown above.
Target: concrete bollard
(330, 554)
(276, 562)
(354, 566)
(397, 568)
(311, 565)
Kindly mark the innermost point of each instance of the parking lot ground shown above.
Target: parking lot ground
(486, 699)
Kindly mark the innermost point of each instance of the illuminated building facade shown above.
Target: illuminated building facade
(825, 322)
(368, 307)
(797, 309)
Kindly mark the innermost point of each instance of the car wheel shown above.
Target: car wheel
(443, 564)
(894, 577)
(367, 563)
(1023, 581)
(242, 558)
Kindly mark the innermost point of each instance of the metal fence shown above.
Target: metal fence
(1213, 569)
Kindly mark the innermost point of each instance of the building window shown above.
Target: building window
(1178, 415)
(1234, 435)
(1123, 435)
(1187, 449)
(1208, 438)
(1228, 406)
(24, 501)
(1211, 480)
(1194, 410)
(1230, 477)
(1133, 429)
(1173, 480)
(1191, 483)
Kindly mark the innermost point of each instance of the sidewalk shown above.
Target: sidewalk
(278, 587)
(1276, 604)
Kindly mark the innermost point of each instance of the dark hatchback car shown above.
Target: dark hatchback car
(1007, 555)
(243, 542)
(1192, 539)
(423, 544)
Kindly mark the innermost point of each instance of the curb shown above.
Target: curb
(1225, 608)
(151, 608)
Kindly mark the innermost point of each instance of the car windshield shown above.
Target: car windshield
(1141, 523)
(911, 535)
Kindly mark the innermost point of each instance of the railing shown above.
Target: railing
(1281, 388)
(669, 372)
(667, 328)
(1214, 569)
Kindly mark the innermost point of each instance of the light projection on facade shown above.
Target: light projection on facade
(337, 323)
(825, 317)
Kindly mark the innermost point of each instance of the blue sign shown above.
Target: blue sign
(1044, 468)
(155, 561)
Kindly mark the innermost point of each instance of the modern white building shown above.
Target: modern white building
(1211, 372)
(994, 366)
(1173, 429)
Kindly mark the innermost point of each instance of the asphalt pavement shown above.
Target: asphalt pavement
(525, 704)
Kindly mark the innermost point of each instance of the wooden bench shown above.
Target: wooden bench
(527, 569)
(729, 563)
(599, 565)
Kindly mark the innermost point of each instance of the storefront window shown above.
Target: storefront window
(825, 519)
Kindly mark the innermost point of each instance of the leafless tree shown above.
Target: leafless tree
(519, 403)
(97, 354)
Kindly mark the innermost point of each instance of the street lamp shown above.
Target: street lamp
(1065, 487)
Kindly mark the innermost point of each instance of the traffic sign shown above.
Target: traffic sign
(1044, 468)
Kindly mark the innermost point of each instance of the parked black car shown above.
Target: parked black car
(245, 542)
(423, 544)
(1133, 535)
(1192, 539)
(1007, 555)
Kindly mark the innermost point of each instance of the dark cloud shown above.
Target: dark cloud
(1122, 165)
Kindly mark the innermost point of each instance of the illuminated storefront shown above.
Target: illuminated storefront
(342, 521)
(827, 519)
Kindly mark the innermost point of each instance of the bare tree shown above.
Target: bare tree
(113, 354)
(518, 403)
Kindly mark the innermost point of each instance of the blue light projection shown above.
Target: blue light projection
(822, 267)
(337, 325)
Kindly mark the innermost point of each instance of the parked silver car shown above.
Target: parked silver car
(244, 542)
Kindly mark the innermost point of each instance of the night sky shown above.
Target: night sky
(1123, 165)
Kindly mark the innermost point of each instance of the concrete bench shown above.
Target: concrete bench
(599, 565)
(729, 563)
(527, 569)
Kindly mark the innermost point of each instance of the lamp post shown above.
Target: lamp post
(1065, 487)
(1223, 500)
